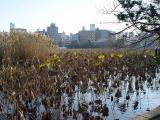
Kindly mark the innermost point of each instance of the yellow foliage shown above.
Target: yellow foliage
(112, 55)
(98, 63)
(120, 55)
(101, 56)
(48, 63)
(56, 58)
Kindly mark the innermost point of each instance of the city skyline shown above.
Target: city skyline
(68, 15)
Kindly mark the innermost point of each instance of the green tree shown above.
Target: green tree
(142, 15)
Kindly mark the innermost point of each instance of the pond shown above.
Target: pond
(126, 106)
(114, 99)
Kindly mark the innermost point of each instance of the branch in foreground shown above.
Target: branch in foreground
(151, 43)
(142, 39)
(123, 30)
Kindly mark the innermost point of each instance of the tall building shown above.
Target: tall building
(65, 41)
(83, 28)
(52, 32)
(104, 38)
(103, 35)
(87, 36)
(12, 26)
(96, 37)
(92, 27)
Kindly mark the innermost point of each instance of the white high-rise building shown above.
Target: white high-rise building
(92, 27)
(12, 26)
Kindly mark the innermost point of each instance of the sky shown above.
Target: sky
(68, 15)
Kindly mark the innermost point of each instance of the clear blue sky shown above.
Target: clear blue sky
(69, 15)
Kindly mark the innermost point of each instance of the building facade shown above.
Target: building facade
(92, 27)
(73, 37)
(52, 33)
(64, 40)
(86, 36)
(13, 29)
(97, 38)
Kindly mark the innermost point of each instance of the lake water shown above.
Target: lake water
(124, 107)
(147, 99)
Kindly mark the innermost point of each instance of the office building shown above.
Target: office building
(92, 27)
(52, 32)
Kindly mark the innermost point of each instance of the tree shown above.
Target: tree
(139, 14)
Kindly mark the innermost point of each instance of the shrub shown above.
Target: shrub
(20, 46)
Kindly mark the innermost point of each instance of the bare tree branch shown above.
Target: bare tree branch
(140, 40)
(123, 30)
(151, 43)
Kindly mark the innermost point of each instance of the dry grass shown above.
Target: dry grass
(22, 46)
(20, 55)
